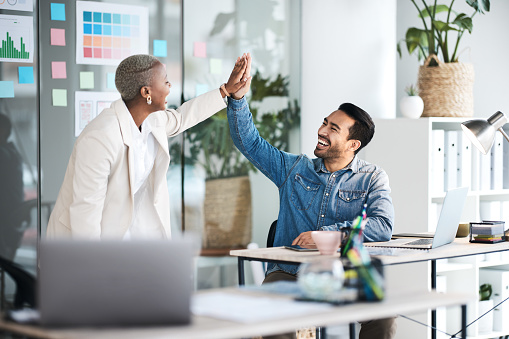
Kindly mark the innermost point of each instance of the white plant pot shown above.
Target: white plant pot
(485, 324)
(411, 106)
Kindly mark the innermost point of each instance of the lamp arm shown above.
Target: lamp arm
(504, 133)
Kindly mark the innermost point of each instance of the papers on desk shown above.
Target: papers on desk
(244, 308)
(372, 250)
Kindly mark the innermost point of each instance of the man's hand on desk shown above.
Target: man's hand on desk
(304, 239)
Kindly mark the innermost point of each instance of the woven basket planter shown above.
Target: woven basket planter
(227, 213)
(446, 89)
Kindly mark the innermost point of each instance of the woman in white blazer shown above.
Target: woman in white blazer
(115, 183)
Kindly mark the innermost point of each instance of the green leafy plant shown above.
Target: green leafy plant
(210, 146)
(435, 37)
(411, 90)
(485, 292)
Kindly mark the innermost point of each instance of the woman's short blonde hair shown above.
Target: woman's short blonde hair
(133, 73)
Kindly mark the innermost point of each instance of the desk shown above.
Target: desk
(459, 248)
(396, 302)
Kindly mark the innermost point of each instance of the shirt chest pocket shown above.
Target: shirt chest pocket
(350, 204)
(303, 192)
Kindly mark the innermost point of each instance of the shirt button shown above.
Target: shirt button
(327, 194)
(334, 175)
(323, 215)
(347, 199)
(309, 187)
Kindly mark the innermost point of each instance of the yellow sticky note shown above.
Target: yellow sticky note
(59, 97)
(216, 66)
(86, 80)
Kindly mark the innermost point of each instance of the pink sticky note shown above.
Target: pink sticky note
(57, 37)
(58, 70)
(200, 49)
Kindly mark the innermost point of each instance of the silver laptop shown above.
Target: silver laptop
(115, 283)
(446, 228)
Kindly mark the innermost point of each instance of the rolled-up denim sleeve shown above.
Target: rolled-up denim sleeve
(379, 210)
(273, 163)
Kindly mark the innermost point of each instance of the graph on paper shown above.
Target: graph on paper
(17, 5)
(16, 38)
(107, 33)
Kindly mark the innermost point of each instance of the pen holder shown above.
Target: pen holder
(367, 279)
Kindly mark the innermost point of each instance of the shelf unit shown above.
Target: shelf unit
(403, 148)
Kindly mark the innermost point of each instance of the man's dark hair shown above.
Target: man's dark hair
(5, 127)
(363, 129)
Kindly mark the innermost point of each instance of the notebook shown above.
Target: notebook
(115, 283)
(446, 228)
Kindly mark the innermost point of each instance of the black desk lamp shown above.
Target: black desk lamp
(482, 132)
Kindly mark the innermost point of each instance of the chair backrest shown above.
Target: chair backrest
(272, 234)
(25, 283)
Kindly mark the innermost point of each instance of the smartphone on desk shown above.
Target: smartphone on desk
(306, 248)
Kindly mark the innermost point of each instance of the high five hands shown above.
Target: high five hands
(240, 79)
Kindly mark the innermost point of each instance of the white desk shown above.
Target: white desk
(396, 302)
(459, 248)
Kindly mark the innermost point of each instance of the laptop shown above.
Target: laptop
(115, 283)
(446, 228)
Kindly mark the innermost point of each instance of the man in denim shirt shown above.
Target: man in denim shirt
(324, 193)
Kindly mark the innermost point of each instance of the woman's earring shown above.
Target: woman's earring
(149, 100)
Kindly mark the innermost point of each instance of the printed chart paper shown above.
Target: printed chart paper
(88, 105)
(17, 5)
(16, 38)
(108, 33)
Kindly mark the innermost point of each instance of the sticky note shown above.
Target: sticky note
(86, 80)
(26, 75)
(59, 97)
(201, 88)
(160, 49)
(6, 89)
(57, 37)
(216, 66)
(58, 12)
(200, 49)
(58, 70)
(110, 80)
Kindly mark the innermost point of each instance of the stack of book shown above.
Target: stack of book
(487, 231)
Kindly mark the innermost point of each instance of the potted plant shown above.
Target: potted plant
(412, 105)
(485, 305)
(227, 206)
(445, 84)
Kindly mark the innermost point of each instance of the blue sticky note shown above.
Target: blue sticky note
(201, 88)
(58, 12)
(26, 75)
(160, 49)
(6, 89)
(110, 81)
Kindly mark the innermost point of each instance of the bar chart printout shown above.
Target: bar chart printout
(16, 38)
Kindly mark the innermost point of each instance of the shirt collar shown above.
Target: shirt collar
(146, 129)
(353, 165)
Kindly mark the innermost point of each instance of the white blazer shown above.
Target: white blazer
(96, 200)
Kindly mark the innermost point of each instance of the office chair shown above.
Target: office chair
(25, 283)
(272, 234)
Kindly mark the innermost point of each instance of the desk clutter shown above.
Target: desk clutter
(355, 276)
(487, 232)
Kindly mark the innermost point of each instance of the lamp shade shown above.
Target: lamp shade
(482, 132)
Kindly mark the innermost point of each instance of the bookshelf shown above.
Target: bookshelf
(404, 149)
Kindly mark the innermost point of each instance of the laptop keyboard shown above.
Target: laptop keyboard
(420, 242)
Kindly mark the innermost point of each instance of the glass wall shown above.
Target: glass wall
(18, 140)
(223, 199)
(42, 119)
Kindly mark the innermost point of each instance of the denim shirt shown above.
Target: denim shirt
(312, 198)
